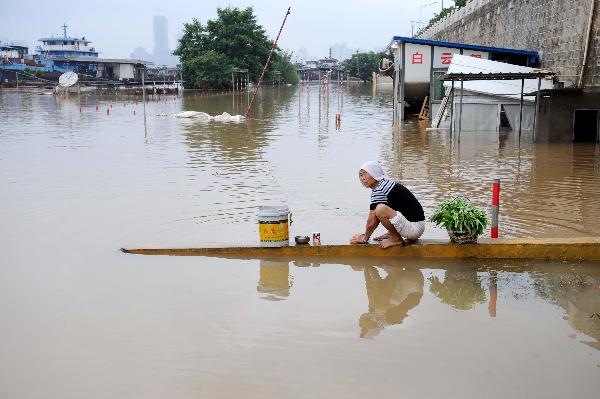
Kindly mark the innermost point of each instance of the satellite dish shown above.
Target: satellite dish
(67, 79)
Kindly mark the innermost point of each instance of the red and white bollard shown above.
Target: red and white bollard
(495, 208)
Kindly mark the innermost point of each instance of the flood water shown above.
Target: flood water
(81, 319)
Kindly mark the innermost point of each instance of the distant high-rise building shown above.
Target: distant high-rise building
(161, 54)
(161, 41)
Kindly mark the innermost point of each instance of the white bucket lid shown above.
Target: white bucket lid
(273, 210)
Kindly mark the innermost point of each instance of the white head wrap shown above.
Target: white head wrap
(374, 169)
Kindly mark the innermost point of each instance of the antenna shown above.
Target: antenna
(64, 26)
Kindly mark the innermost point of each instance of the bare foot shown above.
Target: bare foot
(390, 242)
(382, 237)
(358, 239)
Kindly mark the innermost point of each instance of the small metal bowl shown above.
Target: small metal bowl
(302, 239)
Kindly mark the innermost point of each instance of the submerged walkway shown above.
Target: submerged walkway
(574, 249)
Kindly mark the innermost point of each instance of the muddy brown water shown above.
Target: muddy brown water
(79, 318)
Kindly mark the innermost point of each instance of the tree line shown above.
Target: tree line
(210, 52)
(362, 65)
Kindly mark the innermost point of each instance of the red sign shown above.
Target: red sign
(417, 58)
(476, 55)
(446, 58)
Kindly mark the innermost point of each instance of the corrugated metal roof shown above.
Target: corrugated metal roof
(12, 47)
(480, 69)
(528, 53)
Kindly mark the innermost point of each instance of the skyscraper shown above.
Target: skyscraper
(162, 54)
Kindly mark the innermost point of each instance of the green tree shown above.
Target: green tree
(362, 65)
(282, 61)
(209, 53)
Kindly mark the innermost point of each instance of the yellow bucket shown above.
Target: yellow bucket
(273, 227)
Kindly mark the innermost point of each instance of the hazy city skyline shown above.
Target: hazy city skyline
(314, 26)
(161, 54)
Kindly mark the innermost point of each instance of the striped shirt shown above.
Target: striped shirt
(399, 198)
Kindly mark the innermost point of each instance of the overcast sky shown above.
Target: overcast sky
(117, 27)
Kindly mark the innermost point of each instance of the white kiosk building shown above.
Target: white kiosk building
(420, 64)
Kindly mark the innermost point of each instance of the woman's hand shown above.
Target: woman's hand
(358, 239)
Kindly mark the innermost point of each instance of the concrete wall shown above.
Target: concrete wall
(125, 71)
(557, 112)
(556, 29)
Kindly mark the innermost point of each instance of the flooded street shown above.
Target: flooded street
(81, 319)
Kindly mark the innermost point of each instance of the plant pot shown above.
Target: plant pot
(461, 237)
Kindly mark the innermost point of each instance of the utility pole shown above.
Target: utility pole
(423, 6)
(412, 28)
(144, 99)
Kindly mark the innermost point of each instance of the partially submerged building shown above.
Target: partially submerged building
(119, 69)
(559, 114)
(566, 35)
(315, 70)
(60, 54)
(489, 95)
(420, 65)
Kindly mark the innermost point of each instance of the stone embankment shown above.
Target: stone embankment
(557, 29)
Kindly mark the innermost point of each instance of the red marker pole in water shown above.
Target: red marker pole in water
(495, 208)
(262, 75)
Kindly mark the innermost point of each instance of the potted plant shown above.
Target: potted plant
(463, 221)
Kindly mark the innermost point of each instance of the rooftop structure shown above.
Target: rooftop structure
(65, 47)
(513, 56)
(12, 51)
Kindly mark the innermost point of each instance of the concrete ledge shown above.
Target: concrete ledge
(583, 248)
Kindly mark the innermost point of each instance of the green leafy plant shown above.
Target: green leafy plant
(460, 215)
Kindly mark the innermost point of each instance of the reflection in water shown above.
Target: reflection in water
(274, 280)
(461, 289)
(234, 141)
(579, 295)
(493, 290)
(285, 152)
(90, 181)
(324, 93)
(548, 190)
(390, 297)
